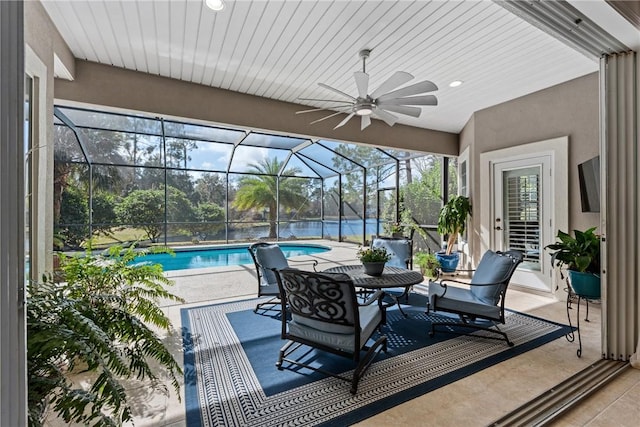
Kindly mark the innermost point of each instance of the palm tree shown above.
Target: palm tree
(261, 190)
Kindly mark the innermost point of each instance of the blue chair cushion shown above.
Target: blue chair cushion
(269, 257)
(399, 249)
(493, 268)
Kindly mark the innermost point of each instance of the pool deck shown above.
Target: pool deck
(229, 282)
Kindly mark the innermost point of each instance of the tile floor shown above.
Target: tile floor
(477, 400)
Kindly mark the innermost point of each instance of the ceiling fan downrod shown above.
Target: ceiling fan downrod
(364, 54)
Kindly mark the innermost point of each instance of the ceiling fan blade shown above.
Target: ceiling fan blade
(388, 118)
(326, 117)
(414, 89)
(410, 100)
(324, 100)
(402, 109)
(366, 121)
(362, 82)
(346, 119)
(310, 111)
(397, 79)
(339, 92)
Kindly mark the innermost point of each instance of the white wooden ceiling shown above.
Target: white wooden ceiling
(282, 49)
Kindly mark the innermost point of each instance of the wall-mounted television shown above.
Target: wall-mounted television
(589, 176)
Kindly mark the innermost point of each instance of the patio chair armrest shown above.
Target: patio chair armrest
(443, 282)
(377, 295)
(313, 263)
(468, 271)
(485, 284)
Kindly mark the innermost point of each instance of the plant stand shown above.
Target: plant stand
(571, 297)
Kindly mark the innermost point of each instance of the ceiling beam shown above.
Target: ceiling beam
(107, 86)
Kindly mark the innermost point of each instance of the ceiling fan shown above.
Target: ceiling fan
(380, 103)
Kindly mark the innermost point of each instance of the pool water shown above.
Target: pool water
(222, 257)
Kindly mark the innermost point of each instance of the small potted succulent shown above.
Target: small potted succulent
(373, 260)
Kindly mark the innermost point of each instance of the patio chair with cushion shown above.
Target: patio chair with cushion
(267, 257)
(482, 299)
(326, 315)
(401, 251)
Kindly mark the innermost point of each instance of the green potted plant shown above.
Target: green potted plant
(103, 319)
(428, 264)
(373, 260)
(452, 221)
(580, 256)
(394, 229)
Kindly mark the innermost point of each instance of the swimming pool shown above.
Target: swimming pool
(222, 256)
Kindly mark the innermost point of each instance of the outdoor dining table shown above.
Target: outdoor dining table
(392, 277)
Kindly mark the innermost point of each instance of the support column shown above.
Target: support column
(13, 378)
(619, 205)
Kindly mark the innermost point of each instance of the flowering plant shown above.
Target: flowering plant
(373, 255)
(394, 228)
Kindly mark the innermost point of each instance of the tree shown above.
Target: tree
(423, 197)
(179, 207)
(263, 190)
(103, 214)
(104, 146)
(66, 152)
(144, 209)
(211, 188)
(209, 220)
(74, 217)
(380, 167)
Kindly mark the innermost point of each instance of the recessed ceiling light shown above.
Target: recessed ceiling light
(214, 4)
(455, 83)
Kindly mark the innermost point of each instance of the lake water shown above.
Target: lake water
(309, 229)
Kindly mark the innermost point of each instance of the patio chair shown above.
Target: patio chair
(267, 257)
(401, 251)
(483, 299)
(326, 315)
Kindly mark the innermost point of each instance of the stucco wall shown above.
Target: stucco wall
(467, 136)
(569, 109)
(43, 42)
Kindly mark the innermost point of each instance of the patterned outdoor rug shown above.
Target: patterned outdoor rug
(231, 378)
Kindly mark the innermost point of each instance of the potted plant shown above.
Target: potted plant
(394, 229)
(428, 264)
(452, 221)
(580, 255)
(103, 319)
(373, 260)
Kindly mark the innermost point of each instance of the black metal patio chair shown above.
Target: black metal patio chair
(482, 299)
(401, 251)
(267, 257)
(326, 315)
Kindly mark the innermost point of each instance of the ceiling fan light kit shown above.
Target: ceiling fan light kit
(216, 5)
(364, 108)
(382, 102)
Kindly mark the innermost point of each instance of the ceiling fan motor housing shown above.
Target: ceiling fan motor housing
(364, 106)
